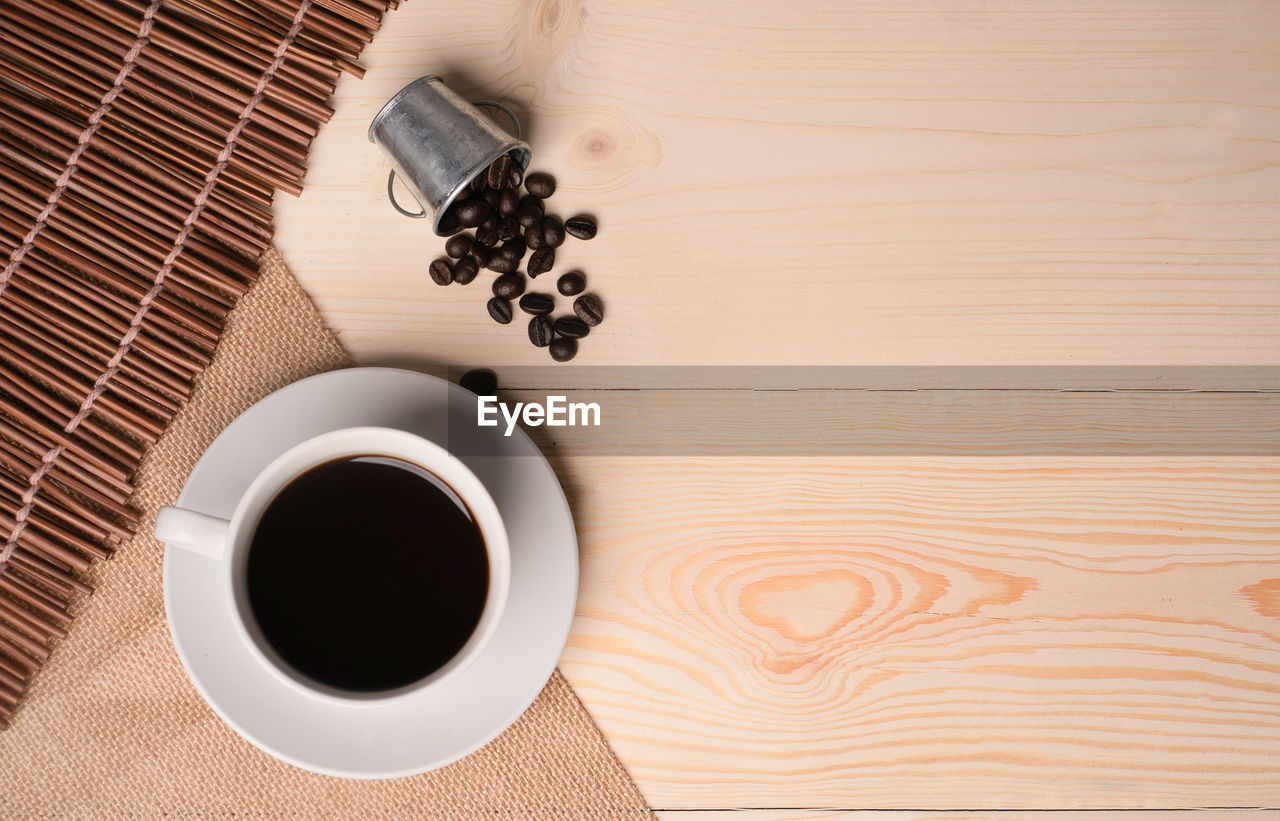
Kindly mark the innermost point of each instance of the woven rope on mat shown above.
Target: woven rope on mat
(141, 144)
(116, 730)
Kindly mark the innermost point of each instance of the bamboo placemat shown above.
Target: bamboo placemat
(140, 147)
(115, 729)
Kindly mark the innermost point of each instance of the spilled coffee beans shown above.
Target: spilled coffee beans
(552, 231)
(507, 226)
(540, 184)
(589, 309)
(457, 245)
(572, 283)
(564, 349)
(541, 261)
(541, 333)
(537, 304)
(508, 286)
(465, 271)
(581, 226)
(570, 327)
(441, 272)
(499, 309)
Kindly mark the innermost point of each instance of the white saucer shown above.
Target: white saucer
(443, 723)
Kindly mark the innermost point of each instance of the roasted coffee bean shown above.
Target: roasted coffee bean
(477, 184)
(513, 249)
(515, 176)
(541, 261)
(562, 350)
(487, 234)
(540, 184)
(589, 309)
(533, 236)
(441, 272)
(508, 202)
(501, 264)
(500, 310)
(571, 327)
(481, 255)
(498, 170)
(529, 211)
(465, 271)
(508, 228)
(508, 286)
(537, 304)
(481, 382)
(540, 331)
(472, 212)
(492, 197)
(552, 231)
(571, 283)
(581, 226)
(458, 245)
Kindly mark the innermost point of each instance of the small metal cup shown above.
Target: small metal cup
(438, 142)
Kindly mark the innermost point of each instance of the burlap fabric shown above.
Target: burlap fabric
(113, 728)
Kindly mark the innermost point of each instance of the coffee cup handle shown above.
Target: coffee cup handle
(191, 531)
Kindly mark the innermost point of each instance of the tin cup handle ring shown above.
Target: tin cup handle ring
(422, 212)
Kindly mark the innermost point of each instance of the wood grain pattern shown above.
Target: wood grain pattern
(889, 184)
(842, 182)
(933, 632)
(822, 424)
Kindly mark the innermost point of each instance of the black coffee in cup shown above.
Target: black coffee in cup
(367, 573)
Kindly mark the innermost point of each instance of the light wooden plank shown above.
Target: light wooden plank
(829, 423)
(1009, 632)
(925, 183)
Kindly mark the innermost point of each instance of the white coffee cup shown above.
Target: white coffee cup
(226, 543)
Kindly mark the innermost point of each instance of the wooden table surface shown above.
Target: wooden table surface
(992, 611)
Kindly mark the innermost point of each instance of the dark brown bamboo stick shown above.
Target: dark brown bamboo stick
(80, 447)
(38, 543)
(54, 575)
(205, 57)
(146, 365)
(123, 416)
(97, 330)
(86, 292)
(32, 620)
(19, 655)
(307, 74)
(71, 238)
(130, 284)
(97, 225)
(106, 509)
(12, 670)
(8, 698)
(76, 471)
(77, 513)
(156, 177)
(47, 579)
(35, 37)
(32, 594)
(35, 648)
(57, 411)
(14, 682)
(357, 13)
(148, 399)
(229, 27)
(39, 522)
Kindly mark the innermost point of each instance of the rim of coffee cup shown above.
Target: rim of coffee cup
(274, 478)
